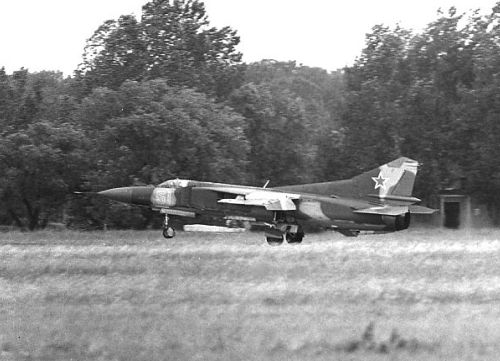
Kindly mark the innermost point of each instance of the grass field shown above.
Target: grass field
(415, 295)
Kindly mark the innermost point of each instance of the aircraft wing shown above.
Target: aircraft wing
(271, 200)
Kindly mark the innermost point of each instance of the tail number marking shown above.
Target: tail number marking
(163, 197)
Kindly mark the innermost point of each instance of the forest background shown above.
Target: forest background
(168, 96)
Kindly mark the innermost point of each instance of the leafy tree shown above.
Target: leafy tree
(114, 54)
(278, 132)
(19, 100)
(26, 98)
(405, 96)
(173, 41)
(435, 128)
(41, 149)
(318, 94)
(480, 111)
(148, 132)
(376, 85)
(318, 89)
(40, 165)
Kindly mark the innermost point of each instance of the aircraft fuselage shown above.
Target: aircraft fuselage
(379, 200)
(312, 210)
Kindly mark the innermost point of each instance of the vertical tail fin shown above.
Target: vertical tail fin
(392, 180)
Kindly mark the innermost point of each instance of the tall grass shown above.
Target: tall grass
(135, 296)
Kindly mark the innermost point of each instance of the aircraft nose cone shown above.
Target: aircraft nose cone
(123, 194)
(135, 195)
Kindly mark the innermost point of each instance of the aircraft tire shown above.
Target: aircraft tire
(168, 232)
(273, 241)
(294, 238)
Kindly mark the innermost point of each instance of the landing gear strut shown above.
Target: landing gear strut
(168, 232)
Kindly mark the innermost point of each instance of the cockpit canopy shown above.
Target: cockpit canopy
(176, 183)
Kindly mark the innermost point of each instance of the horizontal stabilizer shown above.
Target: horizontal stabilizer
(384, 211)
(396, 210)
(415, 209)
(402, 199)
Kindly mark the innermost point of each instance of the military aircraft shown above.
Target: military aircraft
(379, 200)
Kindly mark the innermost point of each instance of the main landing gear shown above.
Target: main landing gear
(168, 232)
(284, 228)
(274, 237)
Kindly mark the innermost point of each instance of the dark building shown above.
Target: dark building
(459, 210)
(455, 209)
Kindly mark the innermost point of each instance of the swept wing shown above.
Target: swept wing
(271, 200)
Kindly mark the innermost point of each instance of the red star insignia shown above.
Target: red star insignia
(379, 181)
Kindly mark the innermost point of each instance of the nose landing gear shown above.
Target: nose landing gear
(168, 232)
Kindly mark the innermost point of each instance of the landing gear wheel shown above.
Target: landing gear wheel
(273, 241)
(294, 238)
(274, 237)
(168, 232)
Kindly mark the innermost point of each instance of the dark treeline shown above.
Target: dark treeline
(168, 96)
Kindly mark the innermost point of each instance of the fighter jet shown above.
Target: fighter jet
(379, 200)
